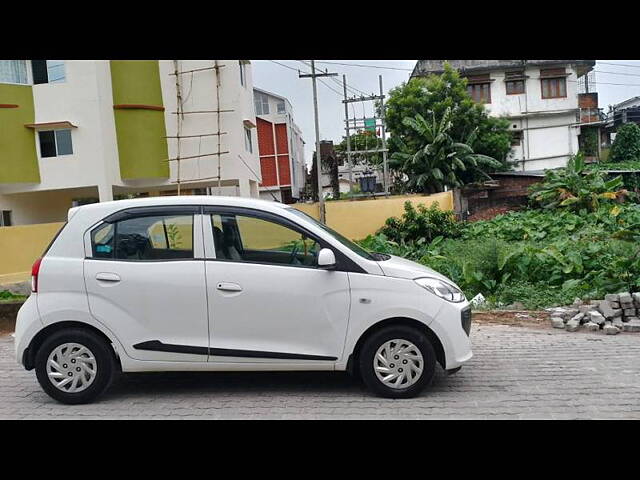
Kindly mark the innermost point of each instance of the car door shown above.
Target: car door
(145, 280)
(268, 301)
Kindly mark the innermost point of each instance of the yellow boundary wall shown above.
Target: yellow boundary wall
(357, 219)
(21, 245)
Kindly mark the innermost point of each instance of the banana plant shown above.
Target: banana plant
(439, 160)
(577, 188)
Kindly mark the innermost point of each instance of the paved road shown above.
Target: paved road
(517, 373)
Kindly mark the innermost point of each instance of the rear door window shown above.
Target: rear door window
(158, 237)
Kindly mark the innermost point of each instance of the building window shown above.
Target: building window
(479, 87)
(480, 92)
(243, 73)
(248, 142)
(514, 82)
(281, 107)
(262, 103)
(48, 71)
(13, 71)
(54, 143)
(516, 138)
(5, 220)
(553, 82)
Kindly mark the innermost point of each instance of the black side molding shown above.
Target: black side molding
(158, 346)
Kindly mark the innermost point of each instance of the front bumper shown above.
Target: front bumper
(452, 325)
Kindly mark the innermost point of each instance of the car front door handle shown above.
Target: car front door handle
(229, 287)
(108, 277)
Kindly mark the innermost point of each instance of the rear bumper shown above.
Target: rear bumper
(28, 324)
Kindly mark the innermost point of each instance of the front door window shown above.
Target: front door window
(244, 238)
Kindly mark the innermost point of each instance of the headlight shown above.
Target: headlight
(441, 289)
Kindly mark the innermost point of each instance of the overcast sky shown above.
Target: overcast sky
(617, 80)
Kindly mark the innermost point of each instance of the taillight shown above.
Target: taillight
(35, 270)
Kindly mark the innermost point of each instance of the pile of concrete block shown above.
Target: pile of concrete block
(615, 313)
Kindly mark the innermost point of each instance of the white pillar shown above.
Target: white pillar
(105, 193)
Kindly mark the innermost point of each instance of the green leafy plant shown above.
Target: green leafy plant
(626, 146)
(438, 160)
(576, 188)
(7, 296)
(538, 257)
(421, 224)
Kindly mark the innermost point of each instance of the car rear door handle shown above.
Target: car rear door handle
(229, 287)
(108, 277)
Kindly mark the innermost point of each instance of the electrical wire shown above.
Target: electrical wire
(353, 90)
(618, 64)
(381, 67)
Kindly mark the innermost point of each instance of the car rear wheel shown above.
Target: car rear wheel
(397, 362)
(75, 366)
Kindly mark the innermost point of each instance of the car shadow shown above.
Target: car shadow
(133, 385)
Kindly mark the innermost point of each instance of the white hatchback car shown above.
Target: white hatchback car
(218, 284)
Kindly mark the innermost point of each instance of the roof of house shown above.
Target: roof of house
(627, 102)
(426, 67)
(256, 89)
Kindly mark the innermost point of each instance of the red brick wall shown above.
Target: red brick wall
(265, 137)
(283, 166)
(281, 138)
(588, 100)
(268, 169)
(512, 192)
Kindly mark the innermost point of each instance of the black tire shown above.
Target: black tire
(105, 365)
(376, 340)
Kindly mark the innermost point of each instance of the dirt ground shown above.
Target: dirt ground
(6, 326)
(514, 318)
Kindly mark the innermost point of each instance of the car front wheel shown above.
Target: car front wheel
(74, 366)
(397, 362)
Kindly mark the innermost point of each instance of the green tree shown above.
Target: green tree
(626, 146)
(434, 95)
(436, 159)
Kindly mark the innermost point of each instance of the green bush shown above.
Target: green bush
(6, 296)
(626, 146)
(576, 187)
(538, 257)
(421, 224)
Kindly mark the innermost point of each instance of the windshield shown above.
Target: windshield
(354, 247)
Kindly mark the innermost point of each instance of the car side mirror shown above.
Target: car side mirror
(326, 259)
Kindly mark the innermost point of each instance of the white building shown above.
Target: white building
(82, 131)
(281, 148)
(539, 97)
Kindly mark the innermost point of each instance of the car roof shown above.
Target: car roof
(106, 208)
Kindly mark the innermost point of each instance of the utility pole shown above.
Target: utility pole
(313, 75)
(384, 141)
(346, 115)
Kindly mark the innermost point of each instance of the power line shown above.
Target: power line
(352, 89)
(297, 70)
(619, 73)
(618, 64)
(369, 66)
